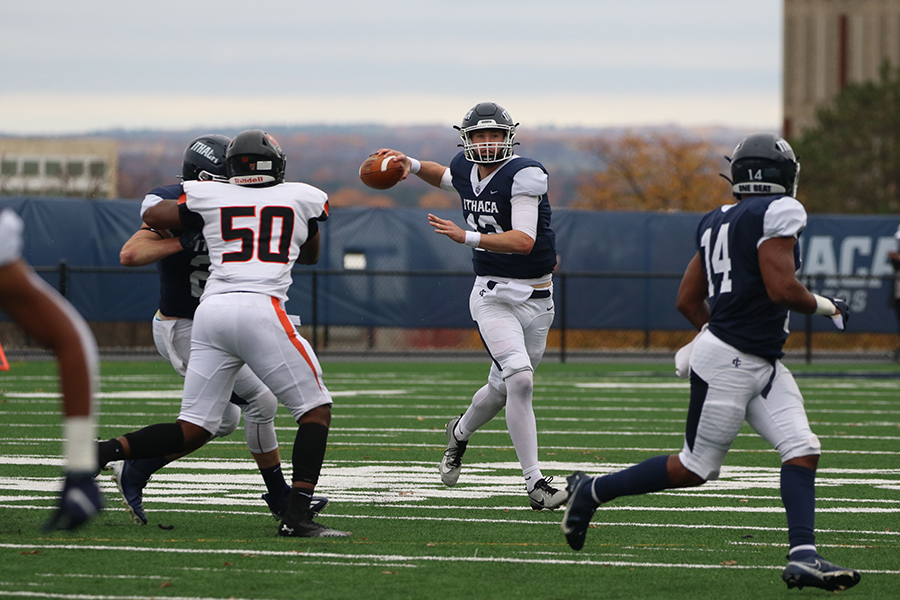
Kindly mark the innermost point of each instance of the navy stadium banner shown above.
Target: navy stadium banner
(617, 270)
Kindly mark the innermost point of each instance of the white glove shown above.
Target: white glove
(683, 357)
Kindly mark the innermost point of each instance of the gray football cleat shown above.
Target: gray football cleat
(546, 497)
(818, 572)
(451, 463)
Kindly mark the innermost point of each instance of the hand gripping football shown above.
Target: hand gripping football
(381, 172)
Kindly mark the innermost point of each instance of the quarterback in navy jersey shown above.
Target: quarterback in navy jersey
(504, 203)
(737, 290)
(182, 261)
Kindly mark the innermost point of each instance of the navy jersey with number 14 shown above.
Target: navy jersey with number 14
(728, 240)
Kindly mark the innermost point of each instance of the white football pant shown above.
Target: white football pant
(734, 384)
(236, 329)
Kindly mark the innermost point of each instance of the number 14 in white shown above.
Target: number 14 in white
(719, 261)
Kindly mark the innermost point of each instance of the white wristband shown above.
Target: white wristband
(414, 165)
(473, 238)
(824, 306)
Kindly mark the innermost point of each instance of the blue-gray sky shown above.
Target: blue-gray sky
(79, 66)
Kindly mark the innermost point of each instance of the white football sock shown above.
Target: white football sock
(521, 423)
(486, 403)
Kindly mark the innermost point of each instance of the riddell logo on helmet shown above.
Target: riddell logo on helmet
(248, 179)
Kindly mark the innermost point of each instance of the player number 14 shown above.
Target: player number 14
(718, 262)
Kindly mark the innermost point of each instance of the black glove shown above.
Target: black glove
(188, 238)
(80, 500)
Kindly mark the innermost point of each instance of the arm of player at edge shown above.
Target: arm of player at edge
(42, 314)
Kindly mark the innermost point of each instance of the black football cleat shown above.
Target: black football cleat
(579, 510)
(278, 506)
(305, 527)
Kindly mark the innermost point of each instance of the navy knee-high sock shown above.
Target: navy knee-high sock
(798, 494)
(652, 475)
(274, 480)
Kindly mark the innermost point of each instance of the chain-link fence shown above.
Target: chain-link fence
(375, 314)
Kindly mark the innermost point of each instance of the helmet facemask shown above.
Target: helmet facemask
(488, 152)
(485, 116)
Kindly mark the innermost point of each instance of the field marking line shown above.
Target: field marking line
(380, 559)
(24, 594)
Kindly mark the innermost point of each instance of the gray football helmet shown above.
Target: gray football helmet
(764, 163)
(487, 115)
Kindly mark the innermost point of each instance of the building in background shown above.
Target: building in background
(85, 168)
(829, 44)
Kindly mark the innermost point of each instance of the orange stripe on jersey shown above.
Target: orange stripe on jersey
(292, 335)
(4, 364)
(182, 198)
(326, 208)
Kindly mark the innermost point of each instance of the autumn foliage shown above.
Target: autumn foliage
(660, 171)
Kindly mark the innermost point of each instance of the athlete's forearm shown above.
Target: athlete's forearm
(691, 299)
(146, 247)
(431, 173)
(508, 242)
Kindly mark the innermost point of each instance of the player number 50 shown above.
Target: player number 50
(265, 227)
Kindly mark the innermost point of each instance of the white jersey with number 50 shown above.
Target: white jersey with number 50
(253, 234)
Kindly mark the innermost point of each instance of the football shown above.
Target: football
(381, 172)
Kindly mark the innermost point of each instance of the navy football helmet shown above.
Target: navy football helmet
(487, 115)
(254, 158)
(205, 154)
(764, 163)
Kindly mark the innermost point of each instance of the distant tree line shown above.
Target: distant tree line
(850, 160)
